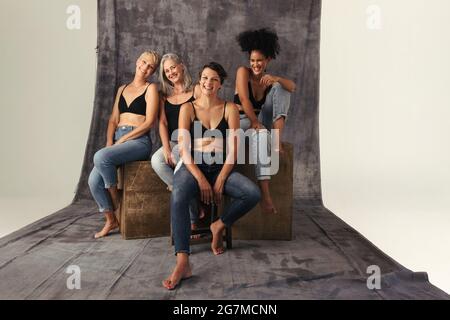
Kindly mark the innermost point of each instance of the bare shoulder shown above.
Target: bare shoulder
(152, 87)
(186, 107)
(242, 70)
(242, 74)
(119, 91)
(231, 108)
(152, 91)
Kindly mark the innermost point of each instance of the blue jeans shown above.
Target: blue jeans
(106, 161)
(243, 192)
(166, 173)
(276, 106)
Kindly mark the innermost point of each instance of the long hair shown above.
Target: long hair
(264, 40)
(166, 85)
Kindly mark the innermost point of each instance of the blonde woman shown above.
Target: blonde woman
(134, 112)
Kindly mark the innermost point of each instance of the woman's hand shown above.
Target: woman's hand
(109, 143)
(268, 80)
(218, 189)
(169, 157)
(256, 125)
(120, 141)
(206, 192)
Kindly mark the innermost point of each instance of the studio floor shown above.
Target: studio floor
(327, 259)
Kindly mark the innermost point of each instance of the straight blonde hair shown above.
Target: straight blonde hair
(153, 55)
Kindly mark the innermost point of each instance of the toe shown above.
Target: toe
(167, 284)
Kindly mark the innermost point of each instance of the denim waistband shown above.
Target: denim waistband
(125, 127)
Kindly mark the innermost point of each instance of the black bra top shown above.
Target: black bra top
(172, 114)
(137, 106)
(257, 105)
(222, 127)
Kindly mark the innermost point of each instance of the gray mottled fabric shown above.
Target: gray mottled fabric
(327, 259)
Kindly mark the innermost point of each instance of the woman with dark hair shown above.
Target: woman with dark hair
(264, 101)
(134, 111)
(208, 147)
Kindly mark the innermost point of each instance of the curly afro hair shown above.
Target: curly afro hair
(264, 40)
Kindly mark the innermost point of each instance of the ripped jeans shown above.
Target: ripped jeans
(276, 105)
(106, 161)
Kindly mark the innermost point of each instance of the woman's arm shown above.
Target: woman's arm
(184, 142)
(164, 134)
(287, 84)
(152, 99)
(163, 126)
(113, 119)
(242, 78)
(232, 116)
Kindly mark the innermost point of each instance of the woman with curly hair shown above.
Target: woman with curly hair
(264, 101)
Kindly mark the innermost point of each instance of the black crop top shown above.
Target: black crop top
(257, 105)
(137, 106)
(172, 114)
(222, 127)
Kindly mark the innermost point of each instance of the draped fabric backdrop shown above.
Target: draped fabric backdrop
(205, 30)
(326, 258)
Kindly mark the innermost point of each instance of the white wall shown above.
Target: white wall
(384, 119)
(47, 83)
(385, 127)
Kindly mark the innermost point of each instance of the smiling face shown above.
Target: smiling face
(209, 82)
(258, 62)
(173, 71)
(146, 66)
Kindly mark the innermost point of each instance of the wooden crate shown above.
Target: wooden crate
(145, 208)
(258, 226)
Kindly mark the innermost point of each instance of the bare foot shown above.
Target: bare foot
(194, 236)
(267, 206)
(182, 271)
(217, 237)
(109, 226)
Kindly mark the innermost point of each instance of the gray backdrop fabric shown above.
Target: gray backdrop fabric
(201, 31)
(326, 259)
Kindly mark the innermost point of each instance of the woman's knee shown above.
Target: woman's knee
(93, 179)
(156, 160)
(100, 157)
(277, 86)
(254, 194)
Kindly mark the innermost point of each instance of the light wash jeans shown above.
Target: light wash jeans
(243, 192)
(276, 106)
(106, 161)
(166, 173)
